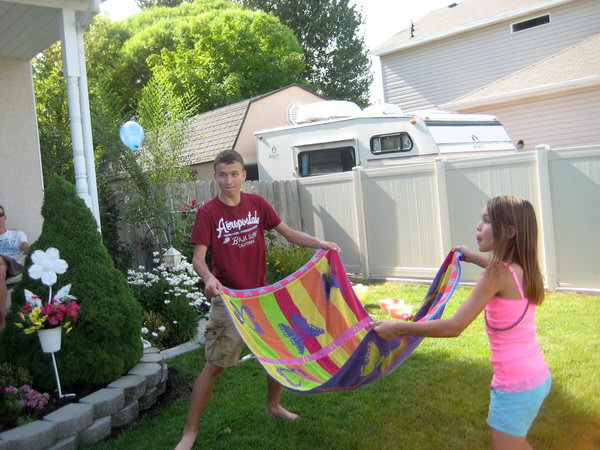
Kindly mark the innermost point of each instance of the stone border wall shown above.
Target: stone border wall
(93, 417)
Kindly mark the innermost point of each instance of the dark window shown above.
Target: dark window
(330, 160)
(535, 22)
(398, 142)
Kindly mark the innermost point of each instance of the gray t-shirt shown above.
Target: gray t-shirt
(10, 244)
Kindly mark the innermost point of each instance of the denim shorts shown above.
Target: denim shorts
(514, 412)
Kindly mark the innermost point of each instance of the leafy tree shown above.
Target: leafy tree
(151, 171)
(52, 114)
(145, 4)
(215, 49)
(105, 342)
(336, 59)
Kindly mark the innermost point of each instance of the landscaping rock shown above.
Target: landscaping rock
(35, 435)
(148, 399)
(71, 419)
(99, 430)
(150, 371)
(126, 415)
(133, 386)
(105, 401)
(152, 358)
(68, 443)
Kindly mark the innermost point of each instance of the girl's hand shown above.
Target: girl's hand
(386, 329)
(472, 257)
(466, 252)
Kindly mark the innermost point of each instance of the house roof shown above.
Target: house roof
(27, 27)
(214, 131)
(574, 66)
(465, 16)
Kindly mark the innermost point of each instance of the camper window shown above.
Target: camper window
(398, 142)
(329, 160)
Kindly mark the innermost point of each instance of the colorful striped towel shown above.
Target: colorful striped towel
(312, 334)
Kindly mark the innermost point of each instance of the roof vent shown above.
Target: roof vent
(292, 113)
(326, 110)
(452, 5)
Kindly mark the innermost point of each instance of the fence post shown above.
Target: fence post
(442, 199)
(361, 221)
(546, 218)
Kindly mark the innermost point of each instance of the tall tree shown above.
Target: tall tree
(337, 64)
(218, 51)
(145, 4)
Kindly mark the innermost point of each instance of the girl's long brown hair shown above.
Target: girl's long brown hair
(509, 213)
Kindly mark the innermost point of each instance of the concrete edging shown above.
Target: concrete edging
(93, 417)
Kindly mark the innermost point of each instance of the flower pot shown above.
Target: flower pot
(50, 339)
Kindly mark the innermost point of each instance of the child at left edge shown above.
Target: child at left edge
(508, 291)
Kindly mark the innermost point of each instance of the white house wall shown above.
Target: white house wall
(428, 75)
(20, 166)
(568, 120)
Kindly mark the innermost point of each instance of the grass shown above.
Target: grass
(437, 399)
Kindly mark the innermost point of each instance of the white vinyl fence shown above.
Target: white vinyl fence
(400, 221)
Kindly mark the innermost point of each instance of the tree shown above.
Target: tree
(215, 49)
(146, 4)
(337, 65)
(106, 341)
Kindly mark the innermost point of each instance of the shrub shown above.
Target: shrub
(283, 260)
(171, 298)
(107, 341)
(11, 375)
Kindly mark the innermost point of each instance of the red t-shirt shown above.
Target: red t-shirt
(234, 235)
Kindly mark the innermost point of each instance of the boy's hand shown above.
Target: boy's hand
(212, 287)
(330, 246)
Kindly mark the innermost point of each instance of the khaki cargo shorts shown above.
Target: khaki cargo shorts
(223, 345)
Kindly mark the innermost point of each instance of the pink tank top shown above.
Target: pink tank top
(516, 357)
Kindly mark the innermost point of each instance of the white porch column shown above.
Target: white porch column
(71, 73)
(88, 143)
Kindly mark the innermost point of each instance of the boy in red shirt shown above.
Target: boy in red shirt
(231, 225)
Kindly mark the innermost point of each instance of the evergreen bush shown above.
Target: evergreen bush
(106, 341)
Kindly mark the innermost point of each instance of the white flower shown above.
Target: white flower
(144, 330)
(155, 334)
(46, 265)
(174, 322)
(167, 302)
(162, 329)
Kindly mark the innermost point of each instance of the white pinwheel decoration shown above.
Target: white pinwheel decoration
(34, 300)
(46, 265)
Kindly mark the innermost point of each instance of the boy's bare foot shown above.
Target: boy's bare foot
(281, 412)
(186, 443)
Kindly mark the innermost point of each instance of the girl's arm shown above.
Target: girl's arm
(472, 257)
(484, 290)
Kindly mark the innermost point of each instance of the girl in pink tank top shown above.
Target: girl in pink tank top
(508, 291)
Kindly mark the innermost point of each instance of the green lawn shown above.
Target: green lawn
(437, 399)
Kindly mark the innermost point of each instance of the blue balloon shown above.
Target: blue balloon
(132, 134)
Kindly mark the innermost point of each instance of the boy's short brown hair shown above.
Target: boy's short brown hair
(229, 157)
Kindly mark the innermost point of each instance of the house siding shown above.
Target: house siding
(568, 120)
(20, 165)
(429, 75)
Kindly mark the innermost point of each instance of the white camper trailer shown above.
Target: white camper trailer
(373, 137)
